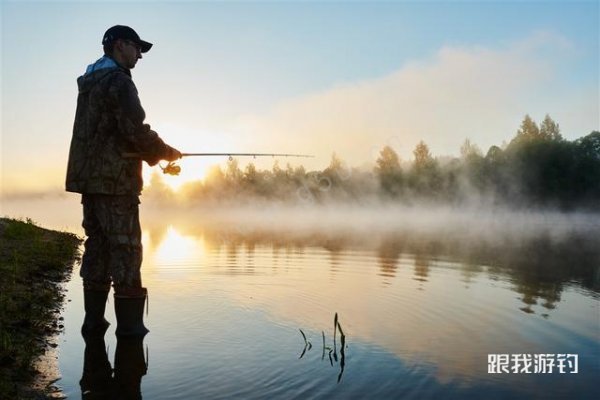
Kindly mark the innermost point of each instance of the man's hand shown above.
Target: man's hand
(172, 154)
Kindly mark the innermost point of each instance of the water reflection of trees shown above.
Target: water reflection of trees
(421, 267)
(388, 254)
(539, 268)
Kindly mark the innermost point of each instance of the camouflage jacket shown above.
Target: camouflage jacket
(109, 121)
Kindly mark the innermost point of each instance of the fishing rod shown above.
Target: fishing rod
(173, 169)
(231, 155)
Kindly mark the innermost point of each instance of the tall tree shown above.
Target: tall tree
(337, 171)
(388, 161)
(422, 155)
(278, 173)
(250, 175)
(587, 178)
(335, 163)
(494, 154)
(529, 128)
(388, 171)
(469, 150)
(590, 145)
(472, 167)
(233, 174)
(425, 176)
(527, 132)
(549, 129)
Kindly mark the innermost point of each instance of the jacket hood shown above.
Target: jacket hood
(95, 72)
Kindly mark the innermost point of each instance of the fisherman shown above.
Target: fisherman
(109, 121)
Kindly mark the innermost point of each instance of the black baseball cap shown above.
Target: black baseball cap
(126, 33)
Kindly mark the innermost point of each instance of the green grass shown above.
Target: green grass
(33, 263)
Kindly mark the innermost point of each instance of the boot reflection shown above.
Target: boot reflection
(96, 380)
(100, 382)
(130, 367)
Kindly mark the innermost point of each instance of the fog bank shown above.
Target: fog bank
(373, 222)
(366, 223)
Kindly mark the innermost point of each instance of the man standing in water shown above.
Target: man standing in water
(109, 121)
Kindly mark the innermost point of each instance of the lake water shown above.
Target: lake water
(423, 297)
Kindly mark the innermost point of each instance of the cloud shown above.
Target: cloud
(462, 91)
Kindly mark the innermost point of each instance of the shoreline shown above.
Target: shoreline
(34, 265)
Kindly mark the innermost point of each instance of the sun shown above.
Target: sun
(188, 138)
(192, 170)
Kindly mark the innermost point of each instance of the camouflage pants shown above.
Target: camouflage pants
(113, 248)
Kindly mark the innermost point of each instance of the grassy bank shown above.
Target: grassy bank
(33, 263)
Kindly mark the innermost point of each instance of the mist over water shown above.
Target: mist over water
(368, 222)
(365, 224)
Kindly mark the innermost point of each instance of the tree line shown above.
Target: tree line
(538, 167)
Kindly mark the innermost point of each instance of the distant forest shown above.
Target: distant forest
(538, 167)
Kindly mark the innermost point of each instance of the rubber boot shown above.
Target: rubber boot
(130, 367)
(129, 311)
(95, 304)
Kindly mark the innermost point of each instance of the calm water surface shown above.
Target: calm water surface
(420, 314)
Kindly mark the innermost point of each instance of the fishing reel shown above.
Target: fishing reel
(171, 168)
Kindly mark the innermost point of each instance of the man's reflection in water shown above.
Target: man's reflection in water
(100, 381)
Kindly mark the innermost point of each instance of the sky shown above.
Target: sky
(302, 77)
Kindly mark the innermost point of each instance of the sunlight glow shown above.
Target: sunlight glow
(176, 250)
(191, 139)
(192, 169)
